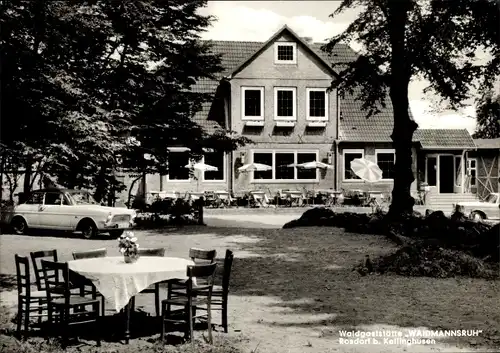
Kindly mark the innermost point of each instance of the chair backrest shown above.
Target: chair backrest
(36, 257)
(56, 278)
(228, 264)
(200, 254)
(202, 273)
(90, 254)
(151, 252)
(23, 275)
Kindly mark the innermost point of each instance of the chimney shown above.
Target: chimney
(308, 40)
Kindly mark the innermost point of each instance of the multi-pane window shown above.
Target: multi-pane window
(349, 156)
(472, 171)
(177, 162)
(306, 173)
(285, 53)
(253, 102)
(316, 104)
(281, 169)
(284, 101)
(215, 159)
(386, 161)
(263, 158)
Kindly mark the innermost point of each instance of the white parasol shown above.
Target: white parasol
(254, 167)
(201, 168)
(366, 170)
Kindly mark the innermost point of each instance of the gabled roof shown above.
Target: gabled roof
(488, 143)
(444, 138)
(280, 32)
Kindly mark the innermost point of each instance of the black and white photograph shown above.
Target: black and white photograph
(193, 176)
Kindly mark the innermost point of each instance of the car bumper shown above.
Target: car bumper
(117, 225)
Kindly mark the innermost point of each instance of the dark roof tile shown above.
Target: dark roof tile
(444, 138)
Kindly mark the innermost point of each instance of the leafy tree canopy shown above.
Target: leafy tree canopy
(406, 39)
(488, 114)
(80, 77)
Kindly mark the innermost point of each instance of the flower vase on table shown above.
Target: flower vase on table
(128, 246)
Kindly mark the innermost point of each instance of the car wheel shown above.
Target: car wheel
(89, 230)
(476, 216)
(19, 225)
(116, 233)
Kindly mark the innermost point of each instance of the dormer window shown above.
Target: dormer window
(285, 53)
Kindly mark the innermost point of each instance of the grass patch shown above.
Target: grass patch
(35, 344)
(310, 270)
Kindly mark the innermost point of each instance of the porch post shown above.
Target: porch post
(462, 172)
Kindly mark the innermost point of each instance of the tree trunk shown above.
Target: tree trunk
(27, 176)
(404, 127)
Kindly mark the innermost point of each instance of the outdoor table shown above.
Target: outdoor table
(295, 196)
(119, 282)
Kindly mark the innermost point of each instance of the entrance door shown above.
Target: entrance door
(431, 171)
(446, 174)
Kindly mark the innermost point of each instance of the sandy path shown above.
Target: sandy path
(270, 326)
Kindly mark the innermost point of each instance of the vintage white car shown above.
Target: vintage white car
(487, 209)
(69, 210)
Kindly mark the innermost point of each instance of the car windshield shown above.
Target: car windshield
(83, 198)
(492, 198)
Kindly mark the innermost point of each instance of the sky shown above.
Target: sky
(259, 20)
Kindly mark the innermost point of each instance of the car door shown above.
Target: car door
(52, 215)
(31, 208)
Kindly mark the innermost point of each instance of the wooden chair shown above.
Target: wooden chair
(36, 257)
(220, 293)
(195, 296)
(198, 256)
(90, 254)
(28, 301)
(70, 309)
(155, 288)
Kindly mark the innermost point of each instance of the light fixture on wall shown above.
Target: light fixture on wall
(242, 157)
(330, 157)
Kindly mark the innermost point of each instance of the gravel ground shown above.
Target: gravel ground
(293, 289)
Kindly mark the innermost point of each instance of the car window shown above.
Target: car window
(66, 201)
(35, 199)
(53, 198)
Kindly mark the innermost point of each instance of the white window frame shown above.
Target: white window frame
(273, 180)
(286, 62)
(308, 102)
(249, 88)
(385, 150)
(347, 151)
(179, 150)
(469, 168)
(224, 171)
(294, 95)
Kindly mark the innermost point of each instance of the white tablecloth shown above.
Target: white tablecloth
(118, 281)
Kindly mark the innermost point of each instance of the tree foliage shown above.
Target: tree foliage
(488, 115)
(407, 39)
(79, 77)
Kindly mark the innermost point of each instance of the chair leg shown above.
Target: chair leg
(224, 315)
(103, 310)
(163, 314)
(209, 319)
(97, 310)
(26, 318)
(19, 316)
(65, 326)
(157, 299)
(189, 326)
